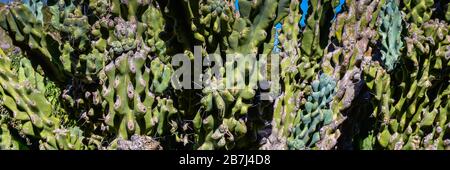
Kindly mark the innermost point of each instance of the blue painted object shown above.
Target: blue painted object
(276, 41)
(236, 5)
(304, 7)
(338, 8)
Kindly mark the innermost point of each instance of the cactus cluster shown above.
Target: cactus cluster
(316, 114)
(270, 75)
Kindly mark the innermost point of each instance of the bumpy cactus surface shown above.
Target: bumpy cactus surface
(224, 74)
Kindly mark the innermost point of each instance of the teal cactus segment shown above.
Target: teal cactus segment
(391, 34)
(390, 31)
(36, 7)
(317, 113)
(304, 6)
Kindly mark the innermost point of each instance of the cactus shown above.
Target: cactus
(30, 101)
(29, 33)
(287, 104)
(390, 31)
(353, 30)
(417, 119)
(7, 140)
(130, 95)
(316, 113)
(221, 118)
(35, 7)
(418, 12)
(353, 74)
